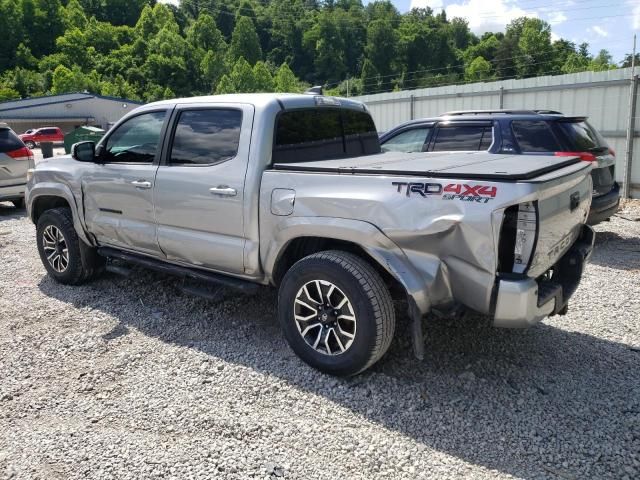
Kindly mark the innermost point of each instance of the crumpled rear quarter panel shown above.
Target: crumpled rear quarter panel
(448, 229)
(451, 241)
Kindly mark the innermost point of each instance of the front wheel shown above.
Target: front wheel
(63, 254)
(336, 312)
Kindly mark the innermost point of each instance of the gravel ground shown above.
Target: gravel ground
(127, 378)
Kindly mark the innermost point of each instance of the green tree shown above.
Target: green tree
(8, 93)
(74, 16)
(602, 61)
(46, 25)
(12, 32)
(204, 34)
(627, 60)
(382, 46)
(73, 45)
(262, 78)
(212, 67)
(535, 50)
(575, 63)
(369, 78)
(285, 80)
(244, 42)
(240, 80)
(326, 46)
(478, 70)
(68, 80)
(24, 57)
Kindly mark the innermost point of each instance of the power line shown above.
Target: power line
(436, 69)
(307, 9)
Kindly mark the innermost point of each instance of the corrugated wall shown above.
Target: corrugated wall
(602, 96)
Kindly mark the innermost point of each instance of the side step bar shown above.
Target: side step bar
(180, 271)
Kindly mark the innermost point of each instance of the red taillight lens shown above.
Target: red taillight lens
(21, 154)
(584, 156)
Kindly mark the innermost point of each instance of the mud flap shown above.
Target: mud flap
(417, 334)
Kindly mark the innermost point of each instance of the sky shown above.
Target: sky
(608, 24)
(604, 24)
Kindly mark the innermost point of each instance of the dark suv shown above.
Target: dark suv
(537, 132)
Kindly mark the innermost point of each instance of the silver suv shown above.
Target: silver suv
(15, 160)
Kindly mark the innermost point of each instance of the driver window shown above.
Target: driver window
(136, 140)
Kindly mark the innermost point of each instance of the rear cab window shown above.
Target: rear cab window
(312, 134)
(462, 138)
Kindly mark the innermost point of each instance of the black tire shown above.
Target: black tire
(370, 301)
(30, 145)
(83, 261)
(19, 203)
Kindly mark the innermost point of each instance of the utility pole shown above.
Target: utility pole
(633, 90)
(347, 87)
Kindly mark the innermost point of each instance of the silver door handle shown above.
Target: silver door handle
(224, 191)
(141, 184)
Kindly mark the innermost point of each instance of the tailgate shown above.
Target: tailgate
(556, 217)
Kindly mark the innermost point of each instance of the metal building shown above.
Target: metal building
(602, 96)
(67, 111)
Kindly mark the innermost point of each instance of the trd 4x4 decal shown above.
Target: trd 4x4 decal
(469, 193)
(418, 188)
(453, 191)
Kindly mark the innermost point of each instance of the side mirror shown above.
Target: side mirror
(84, 151)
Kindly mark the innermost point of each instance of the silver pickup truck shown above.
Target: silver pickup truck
(292, 191)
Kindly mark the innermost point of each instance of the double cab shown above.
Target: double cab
(292, 191)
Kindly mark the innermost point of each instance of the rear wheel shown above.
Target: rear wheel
(31, 145)
(336, 312)
(67, 259)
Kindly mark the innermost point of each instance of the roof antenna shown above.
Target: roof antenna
(317, 90)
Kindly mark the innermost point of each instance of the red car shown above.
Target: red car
(45, 134)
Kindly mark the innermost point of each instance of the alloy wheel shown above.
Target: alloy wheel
(325, 317)
(55, 248)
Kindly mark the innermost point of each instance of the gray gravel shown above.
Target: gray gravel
(127, 378)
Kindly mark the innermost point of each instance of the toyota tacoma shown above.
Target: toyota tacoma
(293, 191)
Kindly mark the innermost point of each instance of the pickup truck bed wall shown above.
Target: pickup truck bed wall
(467, 165)
(444, 231)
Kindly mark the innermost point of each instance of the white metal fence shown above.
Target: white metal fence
(602, 96)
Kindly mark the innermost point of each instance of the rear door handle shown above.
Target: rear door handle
(143, 184)
(224, 191)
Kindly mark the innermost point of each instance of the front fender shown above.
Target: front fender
(52, 189)
(371, 239)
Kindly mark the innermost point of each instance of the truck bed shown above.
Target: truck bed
(467, 165)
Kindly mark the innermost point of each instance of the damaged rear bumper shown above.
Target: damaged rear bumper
(524, 302)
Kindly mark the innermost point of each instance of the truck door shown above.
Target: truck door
(199, 192)
(118, 190)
